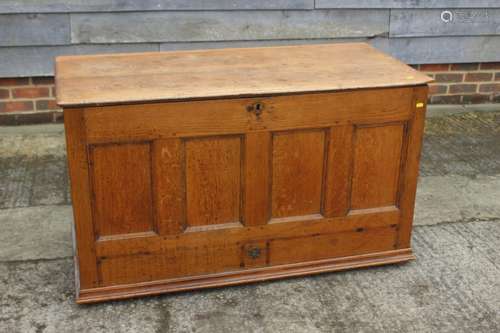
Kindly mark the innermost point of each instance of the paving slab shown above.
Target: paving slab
(33, 233)
(465, 144)
(453, 286)
(457, 198)
(33, 169)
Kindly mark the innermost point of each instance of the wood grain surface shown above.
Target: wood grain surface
(297, 174)
(377, 160)
(213, 180)
(121, 184)
(179, 75)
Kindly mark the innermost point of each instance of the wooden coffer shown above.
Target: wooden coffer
(196, 169)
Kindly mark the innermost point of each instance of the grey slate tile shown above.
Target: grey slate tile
(407, 4)
(34, 29)
(70, 6)
(39, 60)
(440, 22)
(187, 26)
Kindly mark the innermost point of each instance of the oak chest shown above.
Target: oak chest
(196, 169)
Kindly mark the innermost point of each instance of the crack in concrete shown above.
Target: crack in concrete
(464, 221)
(35, 206)
(34, 261)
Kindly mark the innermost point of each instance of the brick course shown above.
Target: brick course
(32, 100)
(489, 88)
(449, 77)
(464, 67)
(4, 93)
(475, 77)
(30, 92)
(475, 99)
(434, 67)
(13, 106)
(436, 89)
(490, 65)
(46, 104)
(14, 82)
(463, 88)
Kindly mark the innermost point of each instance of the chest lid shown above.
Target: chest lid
(182, 75)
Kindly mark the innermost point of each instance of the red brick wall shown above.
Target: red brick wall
(28, 100)
(32, 100)
(463, 83)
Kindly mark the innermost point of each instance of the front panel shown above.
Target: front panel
(298, 159)
(291, 183)
(213, 169)
(376, 165)
(121, 182)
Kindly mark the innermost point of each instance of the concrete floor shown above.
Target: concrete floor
(454, 286)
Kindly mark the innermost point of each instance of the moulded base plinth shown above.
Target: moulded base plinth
(243, 276)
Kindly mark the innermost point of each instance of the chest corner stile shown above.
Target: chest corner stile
(194, 185)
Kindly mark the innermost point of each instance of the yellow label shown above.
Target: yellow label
(420, 105)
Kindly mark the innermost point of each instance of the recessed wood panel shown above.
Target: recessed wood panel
(174, 262)
(121, 176)
(315, 247)
(297, 172)
(213, 180)
(377, 162)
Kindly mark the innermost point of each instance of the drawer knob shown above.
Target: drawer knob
(256, 108)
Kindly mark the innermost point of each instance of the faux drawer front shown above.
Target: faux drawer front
(199, 257)
(229, 185)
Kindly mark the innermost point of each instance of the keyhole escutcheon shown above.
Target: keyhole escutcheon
(256, 108)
